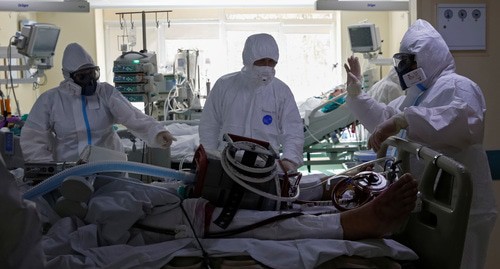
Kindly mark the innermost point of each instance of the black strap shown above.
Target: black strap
(254, 225)
(231, 206)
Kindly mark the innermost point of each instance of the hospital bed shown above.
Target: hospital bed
(188, 139)
(436, 233)
(180, 153)
(318, 124)
(321, 129)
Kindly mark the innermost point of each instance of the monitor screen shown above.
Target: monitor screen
(364, 37)
(361, 37)
(43, 42)
(38, 40)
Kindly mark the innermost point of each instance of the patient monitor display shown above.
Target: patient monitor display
(364, 37)
(37, 40)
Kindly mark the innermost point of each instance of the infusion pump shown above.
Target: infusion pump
(136, 77)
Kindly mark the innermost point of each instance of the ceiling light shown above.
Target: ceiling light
(45, 6)
(374, 5)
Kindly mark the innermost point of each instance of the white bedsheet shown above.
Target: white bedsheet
(181, 150)
(187, 142)
(308, 105)
(106, 239)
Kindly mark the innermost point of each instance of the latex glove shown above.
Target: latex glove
(354, 67)
(353, 70)
(288, 166)
(386, 129)
(165, 139)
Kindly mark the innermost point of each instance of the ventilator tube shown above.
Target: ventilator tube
(56, 180)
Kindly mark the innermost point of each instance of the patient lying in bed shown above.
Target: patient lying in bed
(130, 224)
(331, 95)
(311, 103)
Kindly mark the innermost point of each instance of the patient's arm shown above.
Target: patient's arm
(384, 214)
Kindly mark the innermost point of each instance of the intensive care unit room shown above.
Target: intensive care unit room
(249, 134)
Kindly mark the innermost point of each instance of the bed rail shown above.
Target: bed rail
(437, 232)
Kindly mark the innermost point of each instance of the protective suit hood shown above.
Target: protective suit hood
(75, 58)
(431, 52)
(259, 46)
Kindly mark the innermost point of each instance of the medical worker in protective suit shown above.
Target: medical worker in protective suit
(442, 110)
(81, 111)
(253, 103)
(386, 89)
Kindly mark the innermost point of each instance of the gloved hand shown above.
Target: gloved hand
(353, 70)
(288, 166)
(165, 139)
(387, 128)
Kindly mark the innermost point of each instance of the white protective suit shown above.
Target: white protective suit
(57, 130)
(386, 89)
(450, 119)
(240, 105)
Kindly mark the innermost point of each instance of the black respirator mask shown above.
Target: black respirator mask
(87, 79)
(408, 72)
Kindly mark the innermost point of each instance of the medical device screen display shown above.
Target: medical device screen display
(43, 41)
(364, 38)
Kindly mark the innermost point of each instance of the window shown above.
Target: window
(309, 62)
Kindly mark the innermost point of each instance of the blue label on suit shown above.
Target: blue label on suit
(267, 119)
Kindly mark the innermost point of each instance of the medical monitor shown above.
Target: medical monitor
(38, 40)
(364, 37)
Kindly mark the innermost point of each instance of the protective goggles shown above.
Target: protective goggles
(86, 73)
(404, 61)
(265, 62)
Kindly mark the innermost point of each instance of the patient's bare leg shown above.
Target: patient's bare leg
(382, 215)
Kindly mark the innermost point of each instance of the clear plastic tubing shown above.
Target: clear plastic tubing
(56, 180)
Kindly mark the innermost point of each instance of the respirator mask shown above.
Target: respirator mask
(406, 68)
(87, 79)
(262, 75)
(262, 71)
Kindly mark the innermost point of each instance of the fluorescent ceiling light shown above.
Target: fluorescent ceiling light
(45, 6)
(374, 5)
(199, 3)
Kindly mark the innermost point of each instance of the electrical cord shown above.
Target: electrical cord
(254, 225)
(9, 52)
(311, 134)
(206, 258)
(240, 179)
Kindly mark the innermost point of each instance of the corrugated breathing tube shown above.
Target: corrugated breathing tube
(56, 180)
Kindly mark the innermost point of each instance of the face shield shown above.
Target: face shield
(404, 61)
(408, 72)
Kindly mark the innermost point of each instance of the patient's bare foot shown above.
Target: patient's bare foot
(384, 214)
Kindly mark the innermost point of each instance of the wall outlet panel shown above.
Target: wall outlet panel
(463, 26)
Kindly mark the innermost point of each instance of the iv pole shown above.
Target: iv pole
(143, 20)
